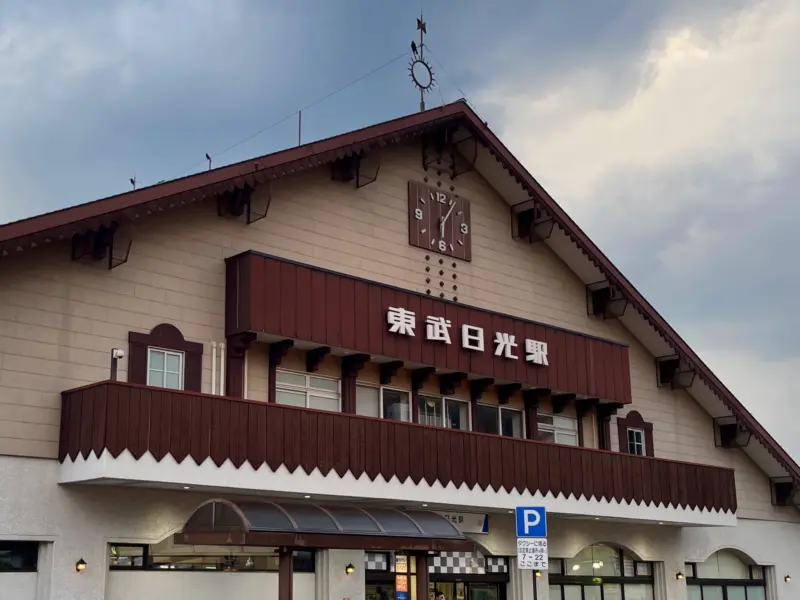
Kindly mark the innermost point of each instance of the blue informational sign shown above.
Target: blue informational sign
(531, 522)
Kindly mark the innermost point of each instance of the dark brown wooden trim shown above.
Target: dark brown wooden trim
(504, 392)
(532, 399)
(418, 379)
(635, 420)
(167, 337)
(235, 356)
(351, 365)
(277, 351)
(109, 418)
(285, 573)
(388, 371)
(350, 313)
(423, 576)
(323, 541)
(478, 387)
(450, 382)
(560, 402)
(314, 358)
(604, 412)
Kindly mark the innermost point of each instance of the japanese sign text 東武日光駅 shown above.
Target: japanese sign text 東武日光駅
(437, 329)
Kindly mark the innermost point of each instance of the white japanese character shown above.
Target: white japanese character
(472, 337)
(401, 321)
(437, 329)
(536, 352)
(505, 342)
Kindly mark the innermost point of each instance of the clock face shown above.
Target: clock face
(439, 221)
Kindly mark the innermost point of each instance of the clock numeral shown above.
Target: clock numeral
(442, 246)
(418, 214)
(464, 228)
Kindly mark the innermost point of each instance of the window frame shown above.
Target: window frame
(289, 387)
(636, 444)
(751, 582)
(31, 547)
(499, 408)
(390, 388)
(182, 369)
(442, 403)
(560, 578)
(555, 429)
(634, 420)
(299, 566)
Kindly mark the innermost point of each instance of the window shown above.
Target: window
(165, 368)
(636, 441)
(557, 429)
(499, 419)
(158, 557)
(600, 572)
(724, 576)
(444, 412)
(19, 556)
(307, 391)
(384, 403)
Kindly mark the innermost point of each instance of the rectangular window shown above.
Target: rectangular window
(135, 557)
(636, 441)
(557, 429)
(444, 412)
(19, 556)
(499, 420)
(384, 403)
(165, 368)
(307, 391)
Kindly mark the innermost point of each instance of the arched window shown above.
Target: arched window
(600, 572)
(725, 576)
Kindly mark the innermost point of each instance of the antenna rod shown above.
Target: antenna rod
(299, 127)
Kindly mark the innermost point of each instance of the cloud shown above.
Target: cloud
(681, 158)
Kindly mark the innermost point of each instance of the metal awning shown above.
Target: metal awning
(264, 523)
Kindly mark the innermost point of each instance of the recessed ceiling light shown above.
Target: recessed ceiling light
(597, 518)
(660, 523)
(424, 505)
(186, 487)
(306, 496)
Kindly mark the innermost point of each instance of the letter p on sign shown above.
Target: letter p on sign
(531, 521)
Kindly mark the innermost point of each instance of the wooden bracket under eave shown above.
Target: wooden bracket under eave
(388, 370)
(532, 398)
(560, 402)
(450, 382)
(504, 392)
(420, 376)
(584, 406)
(314, 357)
(478, 387)
(353, 363)
(278, 350)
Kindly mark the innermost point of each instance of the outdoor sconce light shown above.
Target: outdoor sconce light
(350, 569)
(678, 575)
(537, 573)
(787, 579)
(80, 566)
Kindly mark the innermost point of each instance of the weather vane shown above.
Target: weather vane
(419, 68)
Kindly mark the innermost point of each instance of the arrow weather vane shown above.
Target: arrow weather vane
(419, 68)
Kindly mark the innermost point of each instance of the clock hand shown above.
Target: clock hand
(444, 219)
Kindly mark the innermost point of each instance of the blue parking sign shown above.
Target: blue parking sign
(531, 521)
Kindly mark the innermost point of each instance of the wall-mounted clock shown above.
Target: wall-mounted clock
(439, 221)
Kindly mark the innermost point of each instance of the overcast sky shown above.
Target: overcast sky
(668, 129)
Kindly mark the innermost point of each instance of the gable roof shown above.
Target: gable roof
(496, 164)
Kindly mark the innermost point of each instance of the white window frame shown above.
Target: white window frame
(307, 389)
(556, 430)
(642, 443)
(390, 388)
(166, 352)
(442, 400)
(499, 408)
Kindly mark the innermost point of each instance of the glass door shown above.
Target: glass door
(484, 591)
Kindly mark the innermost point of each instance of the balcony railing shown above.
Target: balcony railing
(115, 416)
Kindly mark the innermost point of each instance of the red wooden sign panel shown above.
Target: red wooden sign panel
(274, 296)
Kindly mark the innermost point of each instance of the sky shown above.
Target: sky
(668, 129)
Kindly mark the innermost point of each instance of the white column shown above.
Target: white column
(542, 586)
(772, 581)
(666, 585)
(520, 582)
(336, 584)
(45, 571)
(321, 575)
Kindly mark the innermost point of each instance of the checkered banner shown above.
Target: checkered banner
(451, 563)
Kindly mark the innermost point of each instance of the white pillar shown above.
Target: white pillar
(332, 583)
(542, 586)
(666, 585)
(520, 582)
(771, 580)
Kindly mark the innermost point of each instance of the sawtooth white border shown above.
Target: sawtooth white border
(126, 470)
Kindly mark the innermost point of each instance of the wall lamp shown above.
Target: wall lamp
(80, 566)
(678, 575)
(788, 578)
(350, 569)
(538, 573)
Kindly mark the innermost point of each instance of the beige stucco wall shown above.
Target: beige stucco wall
(59, 319)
